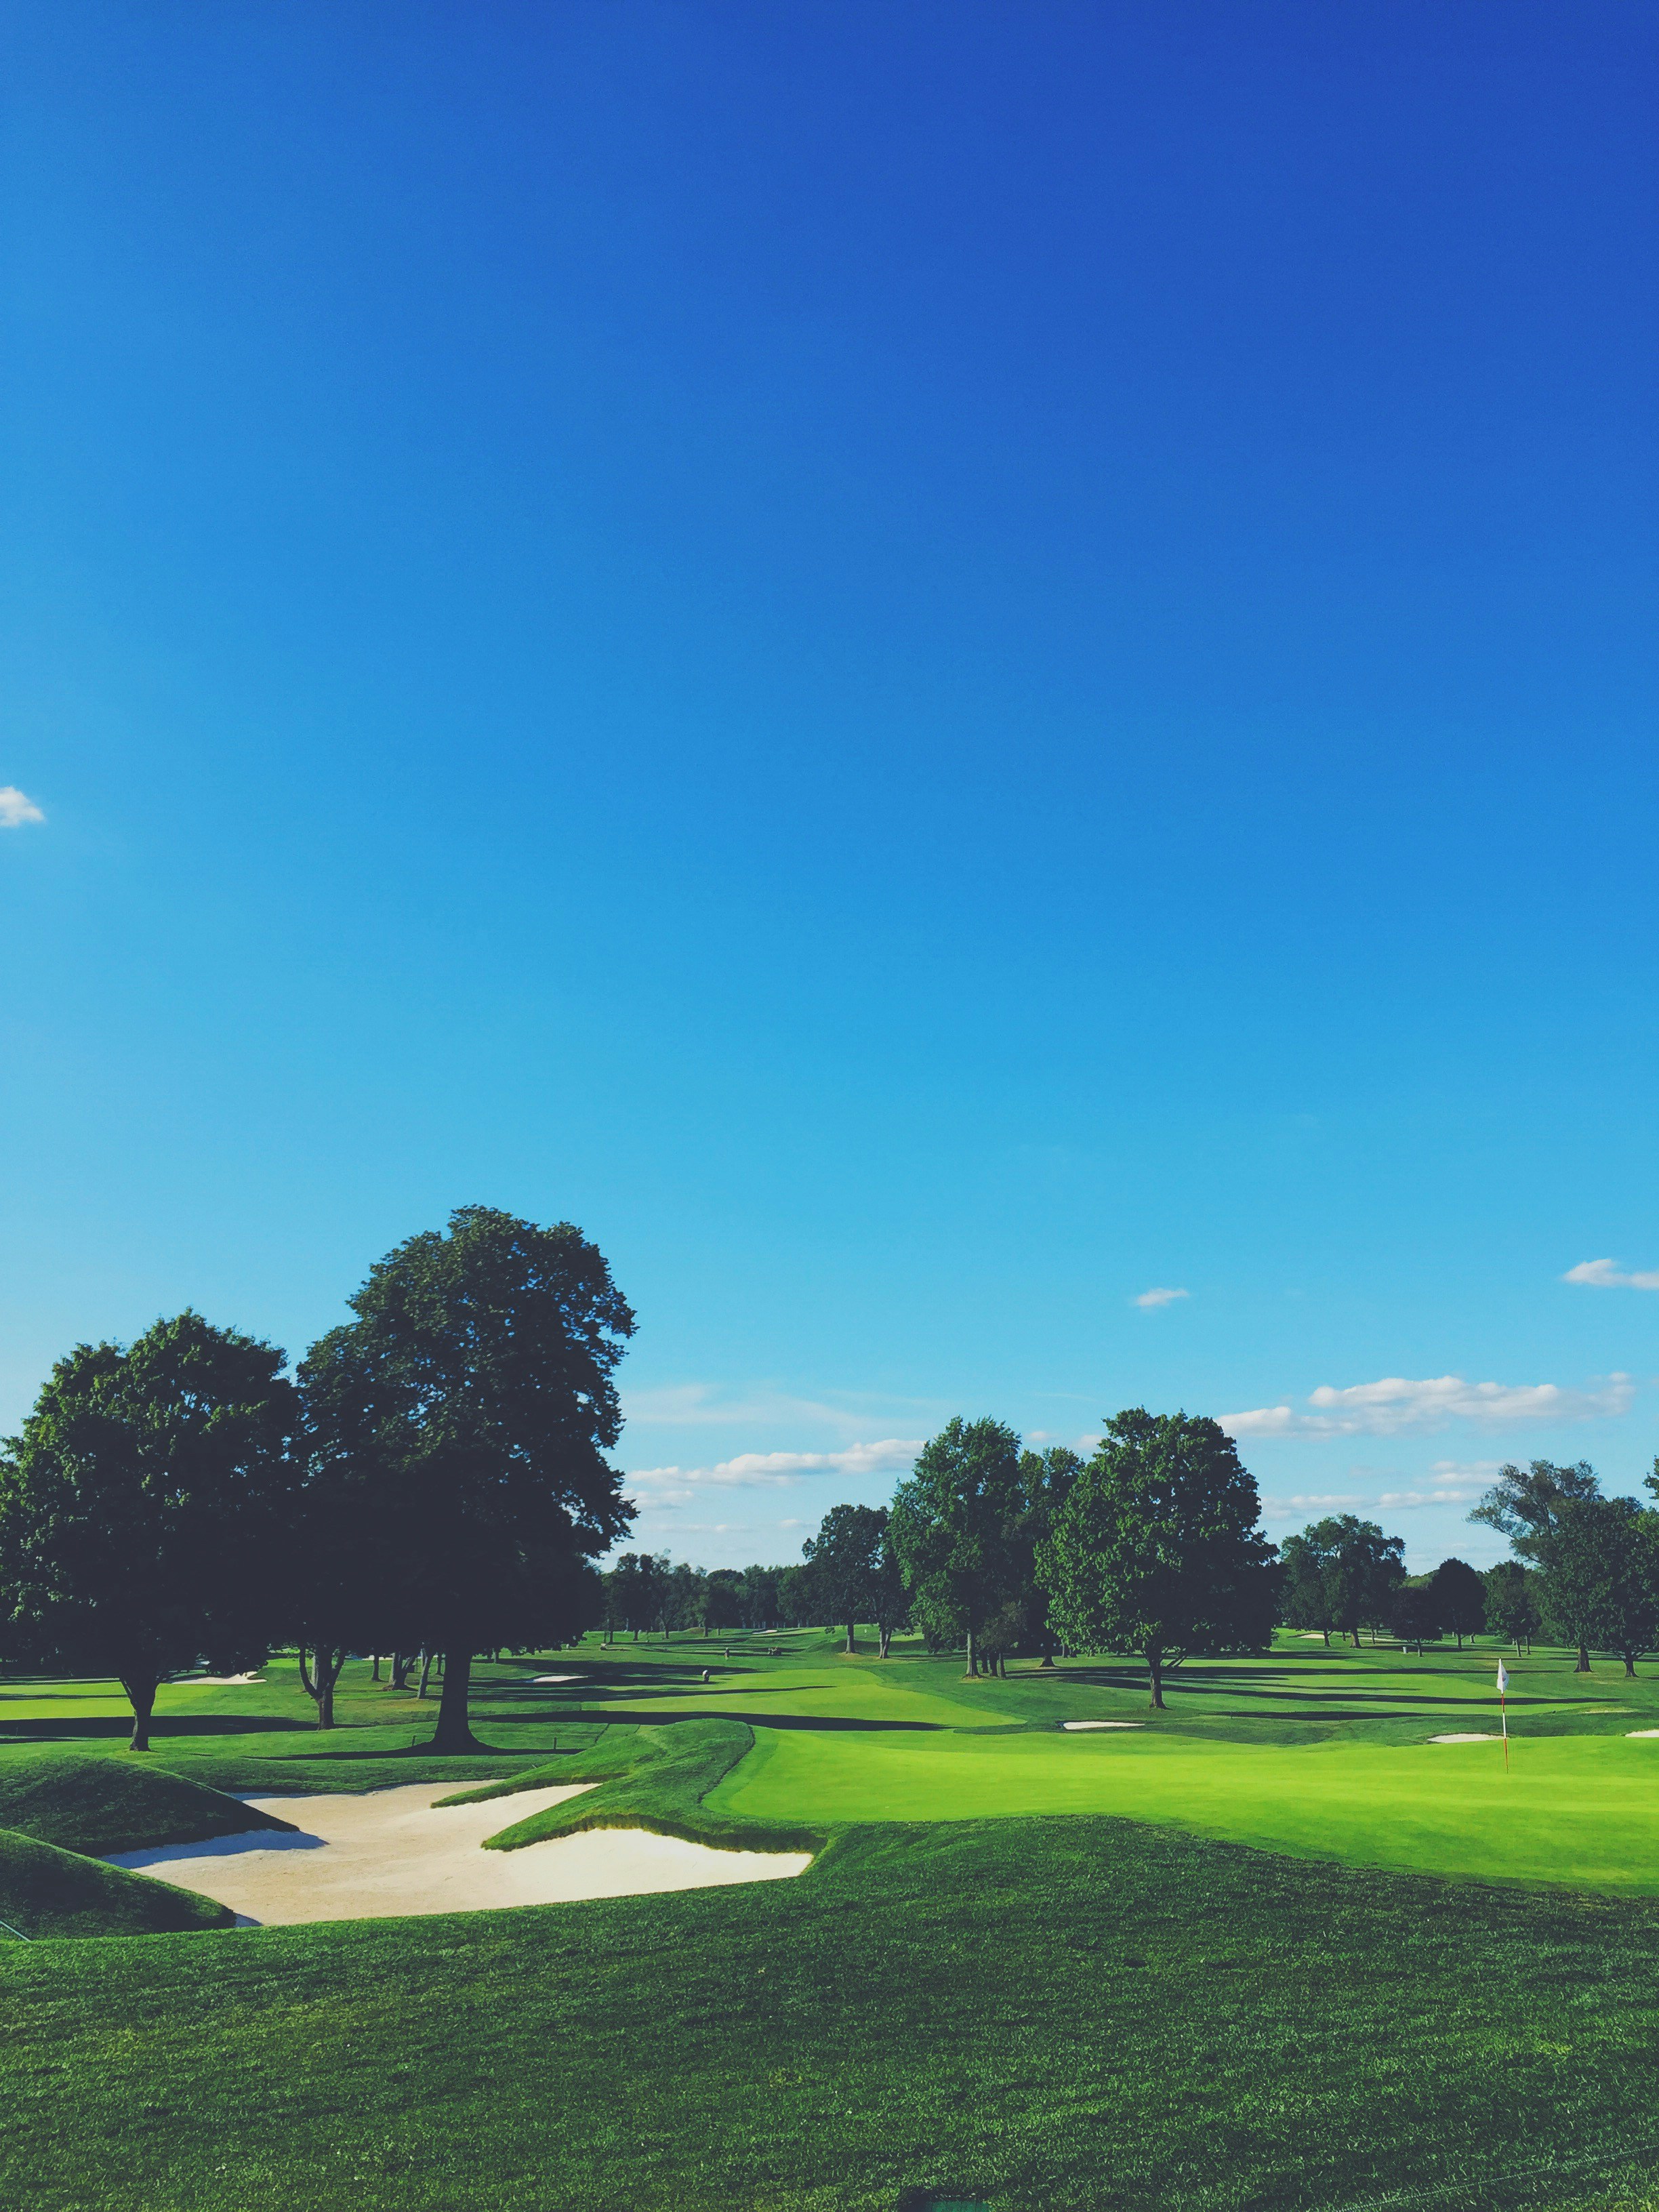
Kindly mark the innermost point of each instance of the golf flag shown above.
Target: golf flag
(1502, 1678)
(1504, 1711)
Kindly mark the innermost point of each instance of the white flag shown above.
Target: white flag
(1502, 1678)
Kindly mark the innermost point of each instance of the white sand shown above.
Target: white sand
(222, 1681)
(1099, 1724)
(538, 1680)
(1642, 1731)
(1463, 1739)
(373, 1858)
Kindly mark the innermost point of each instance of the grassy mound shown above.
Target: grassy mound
(658, 1780)
(47, 1891)
(103, 1804)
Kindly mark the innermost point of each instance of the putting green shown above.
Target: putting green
(1582, 1810)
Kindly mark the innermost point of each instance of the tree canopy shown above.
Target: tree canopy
(476, 1376)
(955, 1532)
(144, 1508)
(1158, 1548)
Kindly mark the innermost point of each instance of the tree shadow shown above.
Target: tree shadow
(167, 1726)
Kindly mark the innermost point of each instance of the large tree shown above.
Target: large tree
(476, 1379)
(1459, 1598)
(1307, 1598)
(1531, 1505)
(1159, 1549)
(847, 1557)
(955, 1531)
(1598, 1577)
(145, 1510)
(1511, 1602)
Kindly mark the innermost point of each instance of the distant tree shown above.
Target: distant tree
(477, 1372)
(1528, 1504)
(1511, 1603)
(1598, 1577)
(954, 1532)
(760, 1596)
(795, 1597)
(679, 1599)
(145, 1510)
(1459, 1598)
(722, 1601)
(1047, 1479)
(1158, 1548)
(1306, 1592)
(1415, 1615)
(846, 1559)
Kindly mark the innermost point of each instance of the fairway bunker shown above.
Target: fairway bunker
(393, 1852)
(1477, 1737)
(1072, 1726)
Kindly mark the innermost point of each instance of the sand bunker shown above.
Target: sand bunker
(1642, 1731)
(222, 1681)
(1100, 1724)
(1463, 1739)
(373, 1858)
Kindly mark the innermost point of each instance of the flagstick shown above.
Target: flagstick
(1503, 1712)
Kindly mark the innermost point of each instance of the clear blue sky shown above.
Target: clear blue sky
(932, 666)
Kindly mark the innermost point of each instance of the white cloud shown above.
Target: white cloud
(1609, 1275)
(16, 810)
(1395, 1405)
(781, 1469)
(1161, 1298)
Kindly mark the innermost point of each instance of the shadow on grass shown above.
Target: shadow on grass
(167, 1725)
(824, 1721)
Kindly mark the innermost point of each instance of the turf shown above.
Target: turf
(1578, 1809)
(47, 1891)
(104, 1805)
(1039, 2013)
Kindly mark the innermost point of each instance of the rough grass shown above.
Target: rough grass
(47, 1891)
(103, 1805)
(1049, 2015)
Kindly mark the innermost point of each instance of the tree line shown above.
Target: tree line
(432, 1479)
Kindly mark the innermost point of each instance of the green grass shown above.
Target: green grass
(47, 1891)
(1131, 2006)
(1042, 2014)
(1582, 1810)
(83, 1802)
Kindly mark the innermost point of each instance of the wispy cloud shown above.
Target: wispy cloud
(1396, 1405)
(15, 809)
(781, 1469)
(1160, 1297)
(1450, 1482)
(1609, 1275)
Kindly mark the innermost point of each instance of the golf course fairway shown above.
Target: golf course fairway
(1579, 1810)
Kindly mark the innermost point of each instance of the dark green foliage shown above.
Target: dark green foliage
(84, 1801)
(1341, 1572)
(1158, 1548)
(45, 1891)
(855, 1576)
(955, 1529)
(1414, 1614)
(1512, 1610)
(142, 1510)
(473, 1395)
(1080, 2016)
(1459, 1598)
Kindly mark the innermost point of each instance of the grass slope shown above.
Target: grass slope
(103, 1805)
(1062, 2014)
(659, 1778)
(45, 1891)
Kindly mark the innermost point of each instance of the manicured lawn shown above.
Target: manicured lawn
(1085, 2011)
(1049, 2013)
(1582, 1810)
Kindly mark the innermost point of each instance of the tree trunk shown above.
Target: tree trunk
(375, 1676)
(401, 1662)
(426, 1672)
(453, 1732)
(852, 1641)
(973, 1663)
(1328, 1639)
(885, 1639)
(1155, 1673)
(1584, 1666)
(319, 1680)
(1629, 1658)
(1356, 1639)
(141, 1696)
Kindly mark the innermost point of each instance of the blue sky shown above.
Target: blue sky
(934, 666)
